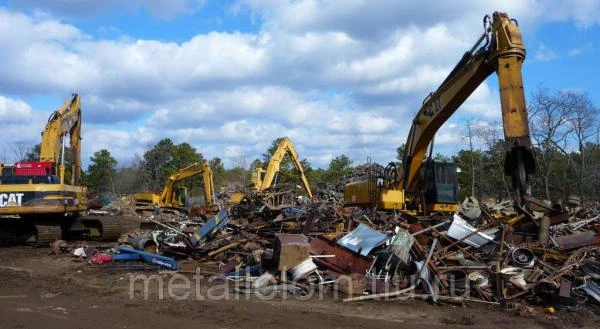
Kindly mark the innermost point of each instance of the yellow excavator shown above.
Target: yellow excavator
(38, 194)
(424, 185)
(172, 196)
(263, 179)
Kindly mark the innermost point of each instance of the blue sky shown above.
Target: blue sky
(564, 57)
(337, 76)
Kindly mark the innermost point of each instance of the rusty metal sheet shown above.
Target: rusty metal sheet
(558, 218)
(345, 261)
(576, 240)
(565, 287)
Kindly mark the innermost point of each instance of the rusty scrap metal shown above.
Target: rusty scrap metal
(532, 250)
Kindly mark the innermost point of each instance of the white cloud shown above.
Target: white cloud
(376, 17)
(365, 18)
(424, 77)
(585, 13)
(233, 151)
(483, 104)
(544, 54)
(14, 111)
(335, 76)
(580, 50)
(124, 144)
(18, 30)
(20, 128)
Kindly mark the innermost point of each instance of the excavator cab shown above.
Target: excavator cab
(179, 196)
(258, 175)
(440, 188)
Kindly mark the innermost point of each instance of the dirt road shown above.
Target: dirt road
(38, 290)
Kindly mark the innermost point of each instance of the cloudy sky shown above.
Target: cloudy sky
(337, 76)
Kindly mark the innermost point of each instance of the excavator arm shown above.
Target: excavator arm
(285, 147)
(425, 185)
(209, 187)
(502, 52)
(66, 120)
(167, 197)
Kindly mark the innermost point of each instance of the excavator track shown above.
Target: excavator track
(102, 228)
(43, 232)
(47, 233)
(111, 230)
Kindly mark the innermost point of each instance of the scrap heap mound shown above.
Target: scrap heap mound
(334, 193)
(530, 258)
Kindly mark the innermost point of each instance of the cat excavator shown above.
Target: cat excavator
(424, 185)
(172, 196)
(263, 179)
(38, 197)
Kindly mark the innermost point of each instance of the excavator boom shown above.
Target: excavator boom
(65, 120)
(432, 186)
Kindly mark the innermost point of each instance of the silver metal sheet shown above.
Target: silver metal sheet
(592, 289)
(363, 239)
(460, 229)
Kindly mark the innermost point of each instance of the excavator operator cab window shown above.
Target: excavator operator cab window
(181, 194)
(441, 182)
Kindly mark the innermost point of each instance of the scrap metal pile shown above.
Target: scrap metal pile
(539, 255)
(492, 254)
(334, 193)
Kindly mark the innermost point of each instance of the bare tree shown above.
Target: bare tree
(470, 137)
(3, 156)
(242, 163)
(549, 120)
(129, 178)
(19, 151)
(583, 123)
(490, 136)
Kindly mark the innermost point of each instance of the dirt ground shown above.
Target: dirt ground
(38, 290)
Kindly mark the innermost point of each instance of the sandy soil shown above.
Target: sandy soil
(41, 291)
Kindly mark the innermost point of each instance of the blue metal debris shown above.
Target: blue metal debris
(290, 211)
(212, 225)
(147, 257)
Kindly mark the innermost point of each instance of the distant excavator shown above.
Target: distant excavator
(263, 179)
(37, 193)
(424, 185)
(172, 196)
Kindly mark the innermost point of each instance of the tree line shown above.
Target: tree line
(150, 171)
(564, 129)
(565, 133)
